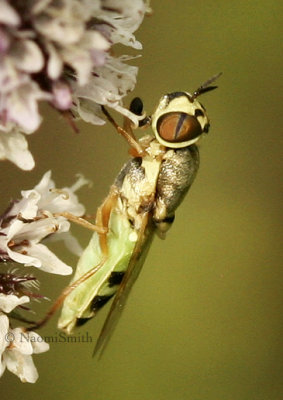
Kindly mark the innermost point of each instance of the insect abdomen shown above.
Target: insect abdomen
(110, 287)
(91, 295)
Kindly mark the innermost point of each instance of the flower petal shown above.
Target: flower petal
(54, 63)
(89, 111)
(21, 365)
(35, 231)
(45, 183)
(9, 301)
(61, 30)
(28, 205)
(4, 327)
(22, 106)
(27, 56)
(38, 343)
(48, 261)
(14, 147)
(8, 15)
(80, 60)
(17, 356)
(21, 341)
(56, 201)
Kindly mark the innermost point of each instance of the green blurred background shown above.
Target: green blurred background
(203, 321)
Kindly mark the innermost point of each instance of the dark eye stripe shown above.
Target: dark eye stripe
(180, 124)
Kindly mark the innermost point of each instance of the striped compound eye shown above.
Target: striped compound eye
(178, 127)
(179, 120)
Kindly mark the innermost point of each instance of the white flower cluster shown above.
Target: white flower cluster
(22, 228)
(59, 51)
(35, 217)
(17, 345)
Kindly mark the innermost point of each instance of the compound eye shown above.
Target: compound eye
(176, 127)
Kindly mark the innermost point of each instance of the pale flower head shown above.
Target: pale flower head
(59, 52)
(29, 221)
(17, 345)
(16, 349)
(24, 226)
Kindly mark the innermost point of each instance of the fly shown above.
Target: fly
(141, 202)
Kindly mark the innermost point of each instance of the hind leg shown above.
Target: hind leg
(101, 227)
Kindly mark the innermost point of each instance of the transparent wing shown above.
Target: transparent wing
(145, 235)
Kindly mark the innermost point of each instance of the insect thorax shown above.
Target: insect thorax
(157, 182)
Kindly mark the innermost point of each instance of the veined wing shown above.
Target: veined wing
(135, 265)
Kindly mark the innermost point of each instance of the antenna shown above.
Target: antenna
(205, 87)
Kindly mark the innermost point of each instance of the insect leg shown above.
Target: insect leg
(127, 135)
(81, 221)
(103, 216)
(102, 222)
(63, 295)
